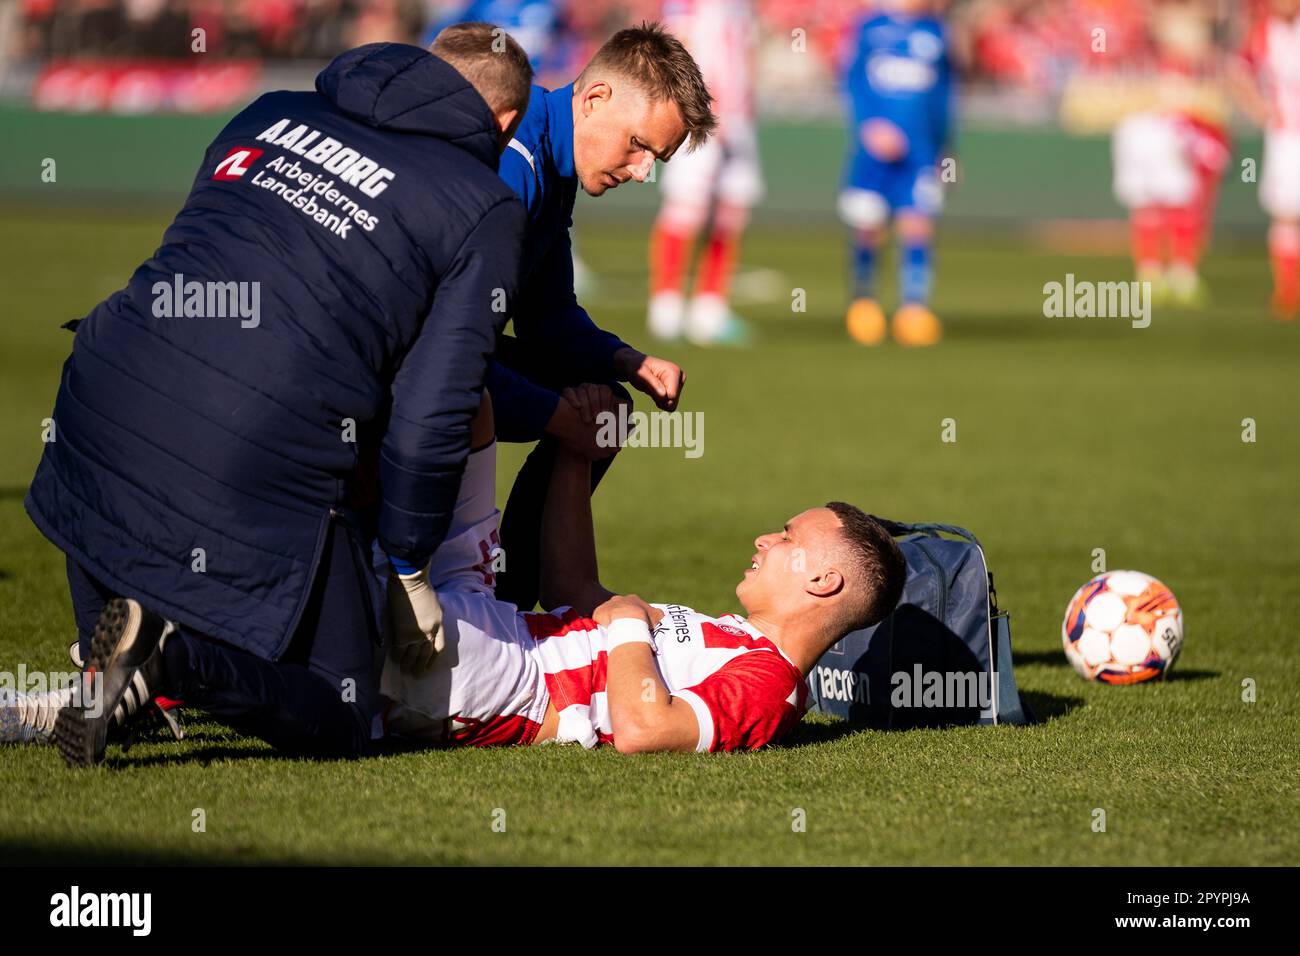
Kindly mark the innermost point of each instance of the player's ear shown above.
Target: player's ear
(596, 95)
(824, 583)
(507, 123)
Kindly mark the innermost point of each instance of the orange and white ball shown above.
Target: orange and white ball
(1122, 627)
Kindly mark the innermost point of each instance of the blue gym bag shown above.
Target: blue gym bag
(942, 658)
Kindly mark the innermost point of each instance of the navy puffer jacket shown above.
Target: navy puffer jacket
(334, 283)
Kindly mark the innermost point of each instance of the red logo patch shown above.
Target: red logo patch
(236, 163)
(725, 635)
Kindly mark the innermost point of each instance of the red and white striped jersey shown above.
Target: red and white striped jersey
(1273, 52)
(745, 693)
(485, 687)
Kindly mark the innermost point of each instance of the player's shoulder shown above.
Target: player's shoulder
(520, 166)
(739, 624)
(759, 655)
(750, 701)
(765, 657)
(534, 127)
(766, 671)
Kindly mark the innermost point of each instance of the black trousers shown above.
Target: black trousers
(318, 699)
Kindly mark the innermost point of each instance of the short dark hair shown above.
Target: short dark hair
(491, 60)
(876, 563)
(655, 60)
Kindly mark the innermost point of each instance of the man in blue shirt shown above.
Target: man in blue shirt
(639, 99)
(899, 85)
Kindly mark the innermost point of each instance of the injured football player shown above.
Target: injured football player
(606, 668)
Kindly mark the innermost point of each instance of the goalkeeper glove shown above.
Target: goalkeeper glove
(414, 621)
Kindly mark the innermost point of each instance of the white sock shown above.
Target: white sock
(707, 318)
(31, 717)
(666, 314)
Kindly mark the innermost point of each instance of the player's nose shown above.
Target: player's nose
(641, 170)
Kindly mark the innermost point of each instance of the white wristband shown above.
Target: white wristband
(628, 630)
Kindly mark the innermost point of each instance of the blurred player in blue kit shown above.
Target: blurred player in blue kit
(900, 88)
(536, 25)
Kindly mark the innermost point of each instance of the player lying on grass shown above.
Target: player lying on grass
(610, 668)
(607, 668)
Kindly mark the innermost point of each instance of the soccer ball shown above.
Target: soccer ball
(1122, 627)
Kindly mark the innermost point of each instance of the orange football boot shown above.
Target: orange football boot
(866, 322)
(915, 325)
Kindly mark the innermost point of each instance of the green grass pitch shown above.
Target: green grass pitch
(1072, 435)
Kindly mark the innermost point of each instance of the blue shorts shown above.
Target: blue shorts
(874, 190)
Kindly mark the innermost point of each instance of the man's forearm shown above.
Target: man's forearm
(569, 571)
(636, 694)
(643, 715)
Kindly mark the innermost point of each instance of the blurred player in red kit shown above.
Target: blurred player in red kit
(718, 183)
(1267, 81)
(1170, 154)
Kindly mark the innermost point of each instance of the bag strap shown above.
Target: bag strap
(899, 528)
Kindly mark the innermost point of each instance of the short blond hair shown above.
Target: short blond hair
(491, 60)
(655, 60)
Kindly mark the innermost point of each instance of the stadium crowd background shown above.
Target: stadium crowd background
(1037, 104)
(1031, 45)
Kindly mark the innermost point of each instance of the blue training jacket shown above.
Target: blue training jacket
(367, 248)
(538, 166)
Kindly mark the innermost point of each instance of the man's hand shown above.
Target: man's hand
(578, 424)
(659, 378)
(884, 140)
(629, 606)
(414, 621)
